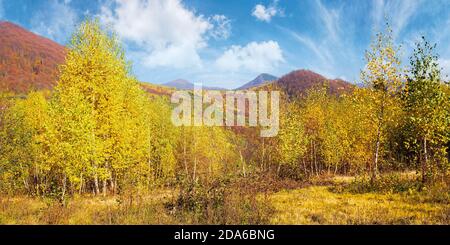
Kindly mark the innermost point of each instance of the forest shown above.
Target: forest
(99, 149)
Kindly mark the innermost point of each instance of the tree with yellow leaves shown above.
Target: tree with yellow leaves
(292, 145)
(23, 163)
(425, 104)
(100, 112)
(383, 77)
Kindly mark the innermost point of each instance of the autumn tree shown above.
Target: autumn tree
(363, 128)
(100, 112)
(338, 136)
(163, 140)
(425, 104)
(207, 153)
(383, 77)
(292, 139)
(23, 165)
(314, 117)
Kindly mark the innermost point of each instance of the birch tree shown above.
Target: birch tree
(383, 77)
(425, 104)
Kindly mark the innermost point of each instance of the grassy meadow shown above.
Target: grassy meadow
(333, 201)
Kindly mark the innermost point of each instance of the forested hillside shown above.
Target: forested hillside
(27, 61)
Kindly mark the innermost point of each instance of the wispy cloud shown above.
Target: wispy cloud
(378, 13)
(56, 22)
(321, 53)
(330, 18)
(399, 12)
(402, 13)
(324, 61)
(326, 45)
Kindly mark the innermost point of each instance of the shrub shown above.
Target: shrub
(223, 201)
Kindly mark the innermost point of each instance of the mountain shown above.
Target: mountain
(262, 79)
(180, 84)
(27, 61)
(299, 81)
(186, 85)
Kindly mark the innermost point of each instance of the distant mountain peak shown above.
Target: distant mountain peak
(261, 79)
(180, 84)
(183, 84)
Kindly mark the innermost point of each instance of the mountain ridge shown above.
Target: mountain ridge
(261, 79)
(183, 84)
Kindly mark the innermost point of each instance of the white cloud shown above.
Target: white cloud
(221, 27)
(170, 34)
(264, 13)
(257, 57)
(57, 22)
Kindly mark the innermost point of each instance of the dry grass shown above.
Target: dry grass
(324, 202)
(87, 210)
(318, 205)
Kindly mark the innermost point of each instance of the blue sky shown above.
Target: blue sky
(229, 42)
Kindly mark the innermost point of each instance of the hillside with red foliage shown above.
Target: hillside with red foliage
(157, 90)
(300, 81)
(27, 61)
